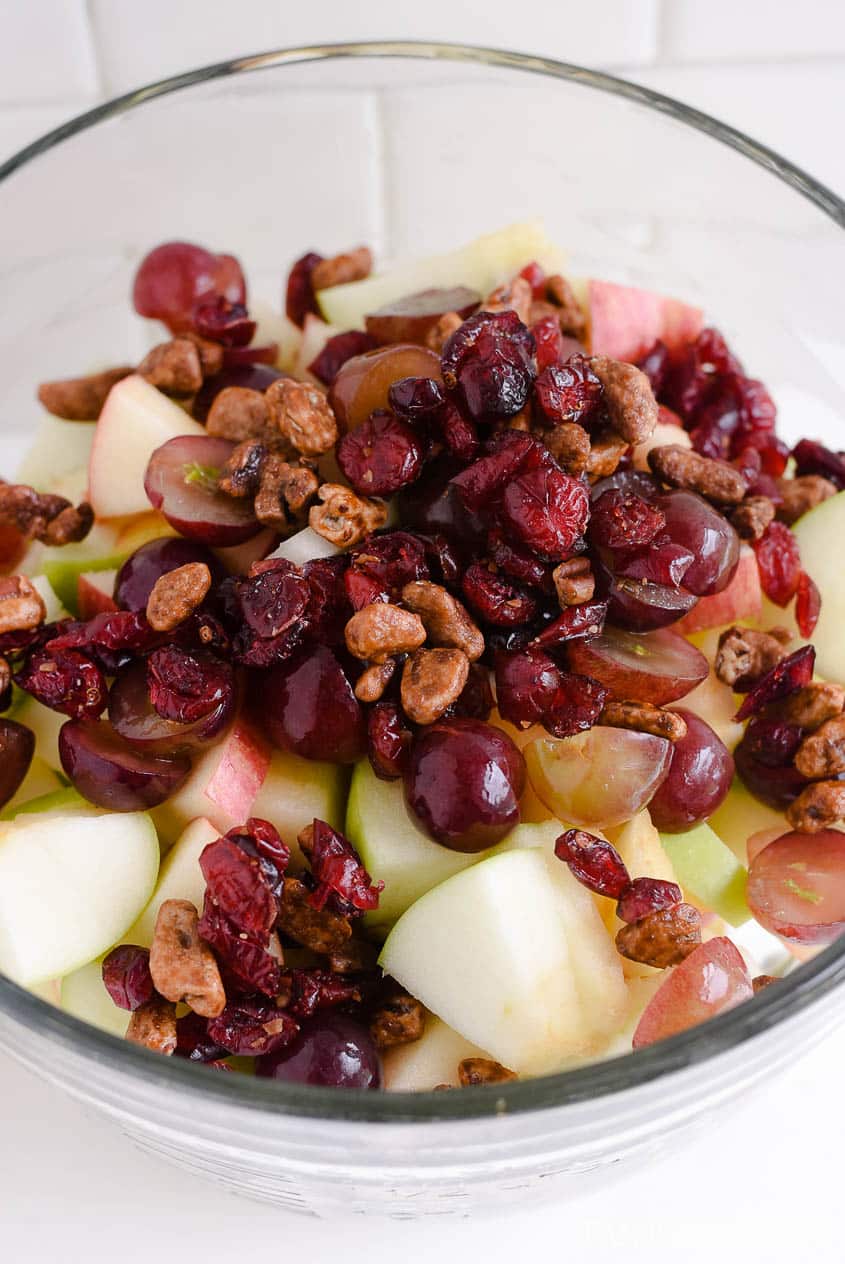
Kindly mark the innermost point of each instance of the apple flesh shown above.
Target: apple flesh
(180, 878)
(305, 546)
(315, 335)
(83, 994)
(58, 450)
(818, 533)
(58, 800)
(626, 322)
(105, 548)
(428, 1062)
(94, 592)
(638, 843)
(741, 815)
(709, 872)
(69, 888)
(740, 602)
(294, 791)
(45, 724)
(40, 780)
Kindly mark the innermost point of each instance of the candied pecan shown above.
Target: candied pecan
(752, 517)
(381, 630)
(569, 444)
(241, 473)
(356, 956)
(154, 1026)
(714, 480)
(822, 754)
(285, 490)
(174, 367)
(210, 353)
(800, 494)
(5, 676)
(446, 621)
(321, 930)
(516, 295)
(239, 413)
(628, 396)
(442, 331)
(818, 807)
(301, 413)
(744, 655)
(663, 938)
(69, 526)
(761, 981)
(811, 706)
(80, 398)
(431, 681)
(176, 594)
(645, 718)
(473, 1071)
(570, 313)
(606, 451)
(182, 966)
(354, 265)
(574, 582)
(21, 606)
(343, 518)
(399, 1020)
(42, 516)
(373, 681)
(305, 838)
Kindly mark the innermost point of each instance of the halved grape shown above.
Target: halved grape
(409, 319)
(333, 1050)
(363, 382)
(796, 886)
(657, 667)
(700, 775)
(137, 576)
(107, 771)
(17, 746)
(181, 481)
(134, 718)
(713, 978)
(691, 521)
(642, 606)
(176, 275)
(307, 706)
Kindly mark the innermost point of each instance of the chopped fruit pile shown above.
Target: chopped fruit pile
(524, 557)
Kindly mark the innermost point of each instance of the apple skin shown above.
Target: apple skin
(740, 602)
(709, 872)
(94, 592)
(625, 322)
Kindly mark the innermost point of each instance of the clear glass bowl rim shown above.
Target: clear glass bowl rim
(806, 986)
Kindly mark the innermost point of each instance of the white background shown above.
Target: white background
(766, 1183)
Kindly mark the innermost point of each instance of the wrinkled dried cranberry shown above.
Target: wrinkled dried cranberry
(774, 455)
(577, 706)
(416, 399)
(773, 743)
(547, 509)
(266, 612)
(388, 740)
(497, 600)
(757, 414)
(391, 560)
(519, 563)
(126, 976)
(337, 869)
(621, 520)
(224, 322)
(808, 605)
(381, 455)
(647, 895)
(310, 990)
(489, 362)
(779, 563)
(575, 623)
(64, 681)
(475, 701)
(300, 298)
(192, 1041)
(506, 453)
(749, 463)
(655, 365)
(328, 608)
(568, 392)
(260, 839)
(362, 590)
(238, 357)
(594, 862)
(187, 685)
(443, 559)
(252, 1026)
(535, 274)
(337, 350)
(527, 684)
(814, 458)
(458, 433)
(772, 781)
(246, 964)
(237, 884)
(115, 630)
(785, 677)
(549, 342)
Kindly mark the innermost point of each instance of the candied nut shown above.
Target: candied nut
(515, 295)
(815, 703)
(822, 754)
(663, 938)
(43, 516)
(431, 681)
(818, 806)
(69, 526)
(285, 491)
(357, 956)
(241, 474)
(446, 621)
(569, 444)
(752, 517)
(210, 353)
(174, 367)
(570, 312)
(519, 421)
(629, 398)
(182, 966)
(344, 518)
(21, 605)
(239, 413)
(541, 308)
(301, 413)
(5, 676)
(305, 838)
(373, 681)
(574, 582)
(473, 1071)
(380, 630)
(154, 1026)
(744, 655)
(606, 451)
(714, 480)
(399, 1020)
(321, 930)
(80, 398)
(176, 594)
(801, 494)
(440, 333)
(645, 718)
(761, 981)
(354, 265)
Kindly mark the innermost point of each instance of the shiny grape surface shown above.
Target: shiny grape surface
(332, 1050)
(700, 773)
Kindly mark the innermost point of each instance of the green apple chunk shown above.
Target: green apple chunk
(709, 872)
(392, 848)
(62, 801)
(429, 1061)
(295, 791)
(45, 724)
(818, 534)
(740, 815)
(481, 265)
(41, 781)
(59, 448)
(84, 995)
(513, 955)
(180, 878)
(69, 888)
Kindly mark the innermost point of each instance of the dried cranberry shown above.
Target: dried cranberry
(773, 743)
(505, 454)
(362, 590)
(749, 463)
(535, 274)
(250, 1027)
(239, 357)
(187, 685)
(310, 990)
(391, 560)
(266, 611)
(337, 869)
(121, 631)
(774, 455)
(519, 563)
(237, 884)
(300, 298)
(655, 365)
(577, 706)
(779, 563)
(64, 681)
(337, 350)
(381, 455)
(527, 684)
(814, 458)
(575, 623)
(260, 839)
(459, 434)
(475, 701)
(594, 862)
(192, 1041)
(763, 762)
(416, 399)
(647, 895)
(249, 965)
(388, 740)
(808, 605)
(328, 608)
(757, 414)
(785, 677)
(568, 392)
(549, 342)
(222, 321)
(621, 520)
(126, 976)
(444, 561)
(547, 509)
(488, 361)
(497, 600)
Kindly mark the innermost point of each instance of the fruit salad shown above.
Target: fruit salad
(430, 684)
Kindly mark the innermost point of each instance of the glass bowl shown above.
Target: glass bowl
(413, 148)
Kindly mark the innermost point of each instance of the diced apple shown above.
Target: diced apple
(818, 534)
(58, 448)
(180, 878)
(84, 995)
(664, 432)
(53, 608)
(45, 724)
(135, 420)
(105, 548)
(510, 955)
(626, 322)
(315, 335)
(716, 704)
(94, 593)
(740, 815)
(69, 888)
(709, 872)
(638, 843)
(60, 801)
(428, 1062)
(274, 326)
(294, 791)
(740, 602)
(305, 546)
(39, 781)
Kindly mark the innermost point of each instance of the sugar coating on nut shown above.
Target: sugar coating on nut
(239, 413)
(472, 1071)
(373, 681)
(752, 517)
(574, 582)
(663, 938)
(570, 313)
(569, 444)
(442, 331)
(606, 451)
(644, 717)
(353, 265)
(177, 594)
(81, 398)
(628, 396)
(822, 754)
(799, 495)
(173, 367)
(380, 630)
(714, 480)
(21, 604)
(447, 622)
(811, 705)
(746, 654)
(515, 295)
(154, 1026)
(182, 966)
(343, 518)
(43, 516)
(321, 930)
(818, 807)
(399, 1020)
(302, 415)
(431, 681)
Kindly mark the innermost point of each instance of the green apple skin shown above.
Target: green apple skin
(84, 995)
(709, 872)
(70, 885)
(429, 1061)
(180, 878)
(740, 815)
(817, 533)
(62, 801)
